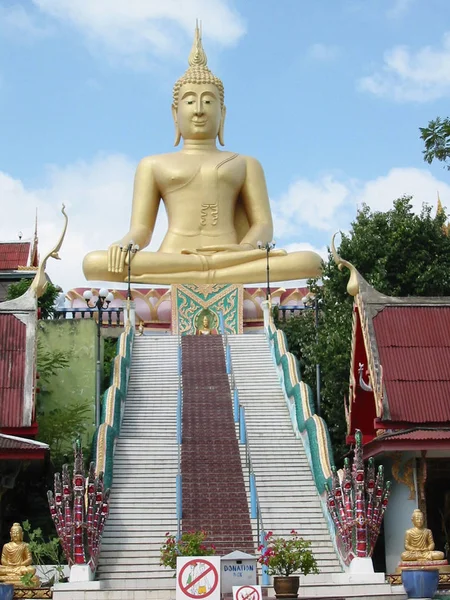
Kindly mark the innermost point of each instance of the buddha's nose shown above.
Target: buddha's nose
(199, 107)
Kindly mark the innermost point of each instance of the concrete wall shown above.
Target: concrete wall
(77, 381)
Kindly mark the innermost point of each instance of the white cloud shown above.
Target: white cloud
(97, 196)
(313, 204)
(409, 76)
(419, 183)
(323, 52)
(318, 208)
(398, 8)
(136, 27)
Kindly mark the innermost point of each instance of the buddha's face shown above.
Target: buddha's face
(199, 113)
(417, 519)
(206, 322)
(16, 534)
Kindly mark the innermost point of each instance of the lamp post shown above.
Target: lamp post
(268, 246)
(101, 304)
(312, 301)
(132, 248)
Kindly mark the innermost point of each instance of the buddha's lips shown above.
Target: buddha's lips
(199, 122)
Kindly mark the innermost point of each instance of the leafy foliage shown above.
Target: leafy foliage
(46, 302)
(44, 552)
(437, 140)
(285, 556)
(59, 426)
(398, 252)
(191, 543)
(49, 362)
(109, 353)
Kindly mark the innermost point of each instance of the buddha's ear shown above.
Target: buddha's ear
(177, 130)
(222, 126)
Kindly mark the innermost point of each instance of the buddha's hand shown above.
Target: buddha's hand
(118, 255)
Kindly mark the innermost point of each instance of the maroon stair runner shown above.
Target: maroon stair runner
(214, 497)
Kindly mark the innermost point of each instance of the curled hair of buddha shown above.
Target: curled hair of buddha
(198, 71)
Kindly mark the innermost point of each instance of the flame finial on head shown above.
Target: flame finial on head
(198, 71)
(197, 57)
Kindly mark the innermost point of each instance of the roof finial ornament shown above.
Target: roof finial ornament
(353, 282)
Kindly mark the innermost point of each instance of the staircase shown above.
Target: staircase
(214, 496)
(143, 503)
(287, 493)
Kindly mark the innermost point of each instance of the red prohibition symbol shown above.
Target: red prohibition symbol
(247, 592)
(188, 588)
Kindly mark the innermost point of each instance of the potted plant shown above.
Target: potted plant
(284, 556)
(191, 543)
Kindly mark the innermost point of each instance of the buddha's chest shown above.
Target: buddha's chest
(202, 176)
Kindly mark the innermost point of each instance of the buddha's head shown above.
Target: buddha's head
(198, 109)
(16, 533)
(417, 518)
(206, 322)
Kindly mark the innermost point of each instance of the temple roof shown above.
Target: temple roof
(404, 346)
(408, 440)
(17, 448)
(414, 349)
(14, 255)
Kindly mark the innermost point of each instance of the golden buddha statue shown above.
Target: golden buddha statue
(205, 329)
(419, 543)
(216, 201)
(16, 559)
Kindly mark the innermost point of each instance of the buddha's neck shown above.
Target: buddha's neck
(199, 145)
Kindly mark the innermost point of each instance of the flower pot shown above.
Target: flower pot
(286, 587)
(6, 591)
(420, 583)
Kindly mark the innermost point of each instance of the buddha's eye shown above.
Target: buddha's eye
(207, 101)
(190, 102)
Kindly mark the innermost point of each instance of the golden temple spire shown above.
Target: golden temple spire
(439, 211)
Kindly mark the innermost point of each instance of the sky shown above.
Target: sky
(328, 95)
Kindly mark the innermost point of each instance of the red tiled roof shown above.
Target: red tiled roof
(414, 349)
(13, 255)
(20, 449)
(9, 442)
(423, 439)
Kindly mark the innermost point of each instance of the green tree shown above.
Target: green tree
(437, 140)
(46, 302)
(400, 253)
(61, 425)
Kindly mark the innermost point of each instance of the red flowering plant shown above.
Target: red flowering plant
(285, 556)
(191, 543)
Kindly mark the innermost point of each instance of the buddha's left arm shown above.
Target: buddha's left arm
(256, 203)
(430, 541)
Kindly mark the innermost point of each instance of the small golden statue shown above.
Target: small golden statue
(419, 543)
(16, 559)
(216, 201)
(205, 329)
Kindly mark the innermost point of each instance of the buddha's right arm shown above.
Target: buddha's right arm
(146, 199)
